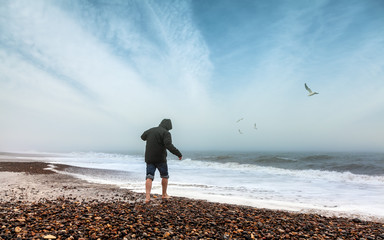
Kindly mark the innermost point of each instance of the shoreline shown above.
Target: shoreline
(36, 202)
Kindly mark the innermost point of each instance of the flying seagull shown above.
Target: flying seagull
(239, 120)
(240, 132)
(254, 126)
(309, 90)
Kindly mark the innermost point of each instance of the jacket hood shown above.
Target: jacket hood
(166, 123)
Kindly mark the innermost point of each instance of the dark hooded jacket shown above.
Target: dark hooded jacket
(158, 141)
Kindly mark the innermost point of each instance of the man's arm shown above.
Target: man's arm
(168, 144)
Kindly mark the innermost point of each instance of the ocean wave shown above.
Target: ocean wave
(273, 160)
(217, 157)
(357, 168)
(317, 157)
(101, 155)
(345, 176)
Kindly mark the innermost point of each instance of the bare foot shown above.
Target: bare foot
(164, 197)
(147, 200)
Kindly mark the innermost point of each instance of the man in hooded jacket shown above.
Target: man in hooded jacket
(158, 141)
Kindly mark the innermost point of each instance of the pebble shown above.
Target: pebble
(49, 237)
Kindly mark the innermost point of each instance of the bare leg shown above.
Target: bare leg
(148, 187)
(164, 185)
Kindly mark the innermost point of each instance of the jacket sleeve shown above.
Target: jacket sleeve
(168, 144)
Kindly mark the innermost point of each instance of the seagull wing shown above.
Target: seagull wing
(308, 89)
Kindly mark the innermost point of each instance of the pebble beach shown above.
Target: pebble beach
(38, 203)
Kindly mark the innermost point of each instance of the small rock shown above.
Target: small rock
(356, 220)
(49, 237)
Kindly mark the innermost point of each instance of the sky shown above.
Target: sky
(78, 75)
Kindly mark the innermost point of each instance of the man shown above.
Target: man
(158, 141)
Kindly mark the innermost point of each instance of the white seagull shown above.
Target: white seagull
(240, 131)
(254, 126)
(309, 90)
(239, 120)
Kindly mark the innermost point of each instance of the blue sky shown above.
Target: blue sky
(93, 75)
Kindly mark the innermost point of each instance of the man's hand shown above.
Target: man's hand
(180, 157)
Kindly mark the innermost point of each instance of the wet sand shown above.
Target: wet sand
(38, 203)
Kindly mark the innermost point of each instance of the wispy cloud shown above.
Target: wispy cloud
(129, 73)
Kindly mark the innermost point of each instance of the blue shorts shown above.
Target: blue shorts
(162, 167)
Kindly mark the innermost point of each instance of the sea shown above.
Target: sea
(334, 184)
